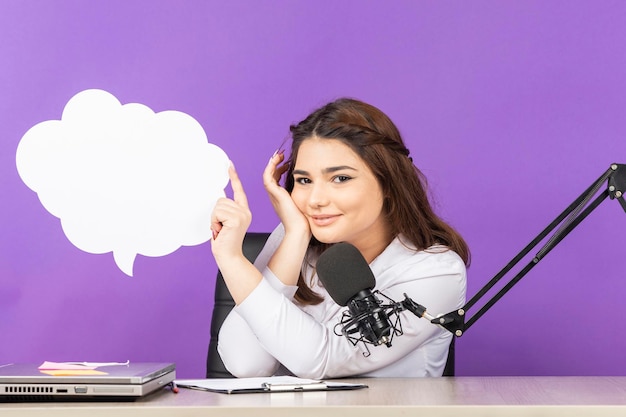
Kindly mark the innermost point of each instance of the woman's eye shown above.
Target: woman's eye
(341, 178)
(302, 180)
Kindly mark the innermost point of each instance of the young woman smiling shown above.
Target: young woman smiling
(349, 179)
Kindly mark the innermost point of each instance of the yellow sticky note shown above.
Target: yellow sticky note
(72, 372)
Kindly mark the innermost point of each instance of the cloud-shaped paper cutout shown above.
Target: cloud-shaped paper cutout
(124, 179)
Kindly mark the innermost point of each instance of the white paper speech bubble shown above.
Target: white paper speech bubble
(124, 179)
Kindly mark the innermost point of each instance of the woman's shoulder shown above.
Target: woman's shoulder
(410, 270)
(401, 254)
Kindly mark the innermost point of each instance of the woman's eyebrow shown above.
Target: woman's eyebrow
(338, 168)
(328, 170)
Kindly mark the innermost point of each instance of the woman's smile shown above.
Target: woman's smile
(322, 220)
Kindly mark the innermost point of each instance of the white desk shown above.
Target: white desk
(429, 397)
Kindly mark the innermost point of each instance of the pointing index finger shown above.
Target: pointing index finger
(239, 195)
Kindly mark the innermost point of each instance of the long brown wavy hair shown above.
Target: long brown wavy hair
(374, 137)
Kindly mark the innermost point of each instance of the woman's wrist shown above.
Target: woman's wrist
(297, 234)
(297, 227)
(288, 257)
(240, 276)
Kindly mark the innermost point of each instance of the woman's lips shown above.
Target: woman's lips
(324, 220)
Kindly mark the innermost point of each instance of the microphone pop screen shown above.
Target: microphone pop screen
(344, 272)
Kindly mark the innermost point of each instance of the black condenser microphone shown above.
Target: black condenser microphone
(349, 281)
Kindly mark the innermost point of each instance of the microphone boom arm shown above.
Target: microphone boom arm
(571, 217)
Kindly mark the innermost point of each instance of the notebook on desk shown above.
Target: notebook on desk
(82, 381)
(265, 385)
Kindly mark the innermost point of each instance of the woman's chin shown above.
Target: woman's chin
(325, 238)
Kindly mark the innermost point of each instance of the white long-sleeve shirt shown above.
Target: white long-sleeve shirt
(268, 329)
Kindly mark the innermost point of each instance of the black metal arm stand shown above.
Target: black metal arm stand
(569, 219)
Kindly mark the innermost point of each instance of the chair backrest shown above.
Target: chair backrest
(252, 245)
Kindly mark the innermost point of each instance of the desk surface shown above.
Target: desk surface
(467, 396)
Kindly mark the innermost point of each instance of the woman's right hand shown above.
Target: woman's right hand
(230, 221)
(290, 215)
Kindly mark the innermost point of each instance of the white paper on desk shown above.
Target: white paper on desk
(231, 385)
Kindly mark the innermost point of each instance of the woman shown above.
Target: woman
(349, 179)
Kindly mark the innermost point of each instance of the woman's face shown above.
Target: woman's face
(340, 197)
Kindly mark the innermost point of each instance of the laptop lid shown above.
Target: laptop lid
(28, 382)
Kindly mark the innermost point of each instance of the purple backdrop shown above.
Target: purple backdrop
(510, 108)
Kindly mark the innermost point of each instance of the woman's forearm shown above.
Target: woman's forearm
(240, 276)
(286, 262)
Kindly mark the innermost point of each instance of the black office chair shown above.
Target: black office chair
(252, 245)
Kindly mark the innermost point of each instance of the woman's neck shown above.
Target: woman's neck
(371, 248)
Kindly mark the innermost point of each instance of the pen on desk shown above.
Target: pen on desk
(174, 387)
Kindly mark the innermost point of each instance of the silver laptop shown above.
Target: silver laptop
(26, 382)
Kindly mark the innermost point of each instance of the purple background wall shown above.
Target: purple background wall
(511, 109)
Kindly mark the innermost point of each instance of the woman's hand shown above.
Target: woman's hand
(230, 220)
(287, 259)
(290, 215)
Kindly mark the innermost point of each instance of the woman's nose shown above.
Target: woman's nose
(318, 196)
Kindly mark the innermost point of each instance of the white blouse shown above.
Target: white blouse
(269, 333)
